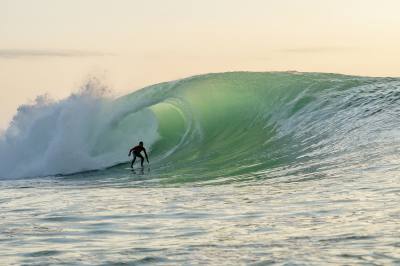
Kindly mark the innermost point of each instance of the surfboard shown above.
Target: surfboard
(137, 168)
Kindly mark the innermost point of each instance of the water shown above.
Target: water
(246, 169)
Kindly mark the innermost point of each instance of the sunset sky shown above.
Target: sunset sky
(53, 46)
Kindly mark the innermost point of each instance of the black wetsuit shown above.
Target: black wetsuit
(136, 153)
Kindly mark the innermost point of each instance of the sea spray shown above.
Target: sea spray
(50, 137)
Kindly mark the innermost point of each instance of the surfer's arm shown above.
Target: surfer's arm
(145, 154)
(130, 151)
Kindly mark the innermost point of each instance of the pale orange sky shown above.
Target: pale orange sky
(52, 46)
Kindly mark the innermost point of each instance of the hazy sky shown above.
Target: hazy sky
(52, 46)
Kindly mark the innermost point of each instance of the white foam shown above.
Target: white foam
(85, 131)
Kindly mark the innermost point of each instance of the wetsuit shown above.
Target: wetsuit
(136, 153)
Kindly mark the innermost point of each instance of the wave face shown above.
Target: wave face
(238, 126)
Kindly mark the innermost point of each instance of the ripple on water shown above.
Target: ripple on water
(142, 261)
(347, 238)
(43, 253)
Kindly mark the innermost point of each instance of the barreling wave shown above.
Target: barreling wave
(216, 127)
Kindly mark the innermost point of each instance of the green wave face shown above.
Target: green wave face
(255, 126)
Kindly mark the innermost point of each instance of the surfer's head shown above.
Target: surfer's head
(141, 143)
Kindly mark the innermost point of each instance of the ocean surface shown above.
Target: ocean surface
(246, 168)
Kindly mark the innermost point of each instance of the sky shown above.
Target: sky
(54, 46)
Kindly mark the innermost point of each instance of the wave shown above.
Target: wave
(214, 127)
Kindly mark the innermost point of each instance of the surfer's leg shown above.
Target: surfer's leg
(133, 161)
(141, 160)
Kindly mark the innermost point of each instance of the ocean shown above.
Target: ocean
(246, 168)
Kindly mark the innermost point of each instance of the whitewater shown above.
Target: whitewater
(246, 168)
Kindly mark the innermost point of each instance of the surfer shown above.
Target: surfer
(136, 153)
